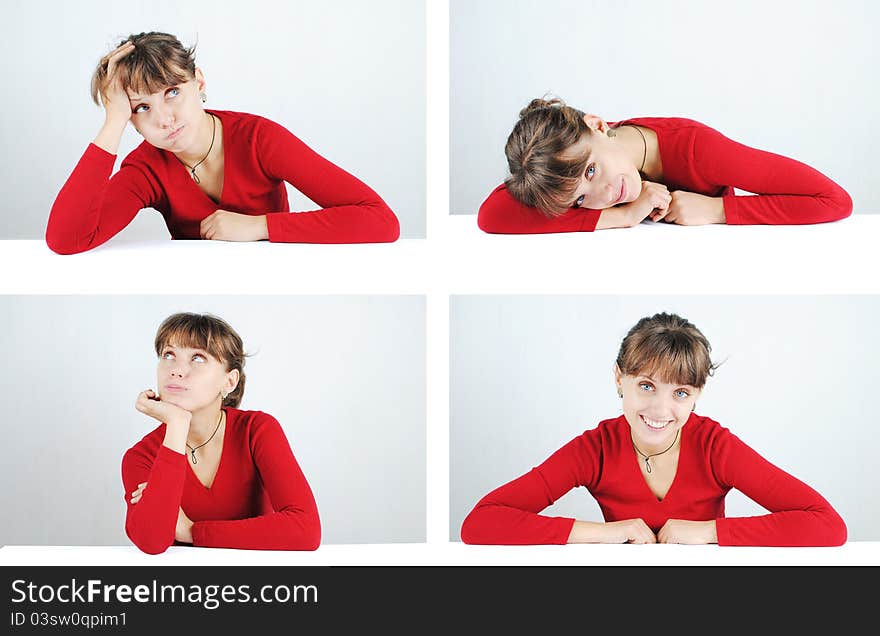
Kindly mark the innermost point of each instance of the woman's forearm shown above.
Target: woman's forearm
(110, 135)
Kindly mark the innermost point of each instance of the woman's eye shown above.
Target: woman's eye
(579, 202)
(682, 393)
(646, 386)
(199, 358)
(140, 108)
(173, 92)
(167, 356)
(591, 170)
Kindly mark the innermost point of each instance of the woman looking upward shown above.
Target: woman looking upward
(213, 174)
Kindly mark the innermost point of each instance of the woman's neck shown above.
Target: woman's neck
(642, 146)
(204, 422)
(670, 443)
(203, 146)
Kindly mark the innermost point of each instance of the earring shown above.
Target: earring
(612, 132)
(619, 392)
(223, 394)
(204, 96)
(694, 407)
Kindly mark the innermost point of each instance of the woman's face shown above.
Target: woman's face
(191, 378)
(171, 118)
(610, 177)
(655, 410)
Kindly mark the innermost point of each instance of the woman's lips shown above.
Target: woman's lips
(174, 388)
(657, 425)
(175, 134)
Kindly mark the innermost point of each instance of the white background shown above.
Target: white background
(346, 77)
(344, 376)
(796, 383)
(793, 77)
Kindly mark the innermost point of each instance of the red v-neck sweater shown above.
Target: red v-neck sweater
(697, 158)
(711, 461)
(259, 156)
(259, 500)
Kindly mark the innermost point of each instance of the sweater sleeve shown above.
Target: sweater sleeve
(294, 524)
(352, 212)
(500, 213)
(799, 516)
(509, 515)
(92, 206)
(786, 191)
(151, 522)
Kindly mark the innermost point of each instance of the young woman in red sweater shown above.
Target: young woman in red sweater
(574, 172)
(210, 474)
(659, 472)
(213, 174)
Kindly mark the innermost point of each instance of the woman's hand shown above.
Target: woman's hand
(148, 403)
(113, 97)
(654, 198)
(183, 531)
(224, 225)
(628, 531)
(690, 208)
(136, 495)
(688, 532)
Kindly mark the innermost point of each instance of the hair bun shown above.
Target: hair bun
(541, 104)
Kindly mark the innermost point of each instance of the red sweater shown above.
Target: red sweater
(699, 159)
(711, 461)
(259, 500)
(259, 156)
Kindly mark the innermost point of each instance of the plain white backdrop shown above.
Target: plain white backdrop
(797, 384)
(344, 375)
(346, 77)
(793, 77)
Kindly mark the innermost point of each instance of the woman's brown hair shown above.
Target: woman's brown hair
(541, 176)
(669, 348)
(158, 61)
(211, 334)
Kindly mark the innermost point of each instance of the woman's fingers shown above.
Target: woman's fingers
(117, 54)
(136, 495)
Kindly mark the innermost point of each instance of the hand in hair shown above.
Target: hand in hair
(224, 225)
(688, 532)
(114, 99)
(149, 403)
(690, 208)
(654, 198)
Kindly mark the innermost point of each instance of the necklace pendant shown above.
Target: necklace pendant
(193, 454)
(195, 178)
(647, 464)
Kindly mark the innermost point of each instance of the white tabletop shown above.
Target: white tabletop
(459, 258)
(839, 257)
(456, 554)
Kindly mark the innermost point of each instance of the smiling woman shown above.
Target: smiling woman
(213, 174)
(571, 171)
(659, 472)
(175, 490)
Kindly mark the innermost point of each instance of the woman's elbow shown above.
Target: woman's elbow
(149, 545)
(839, 205)
(838, 533)
(60, 242)
(470, 529)
(391, 230)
